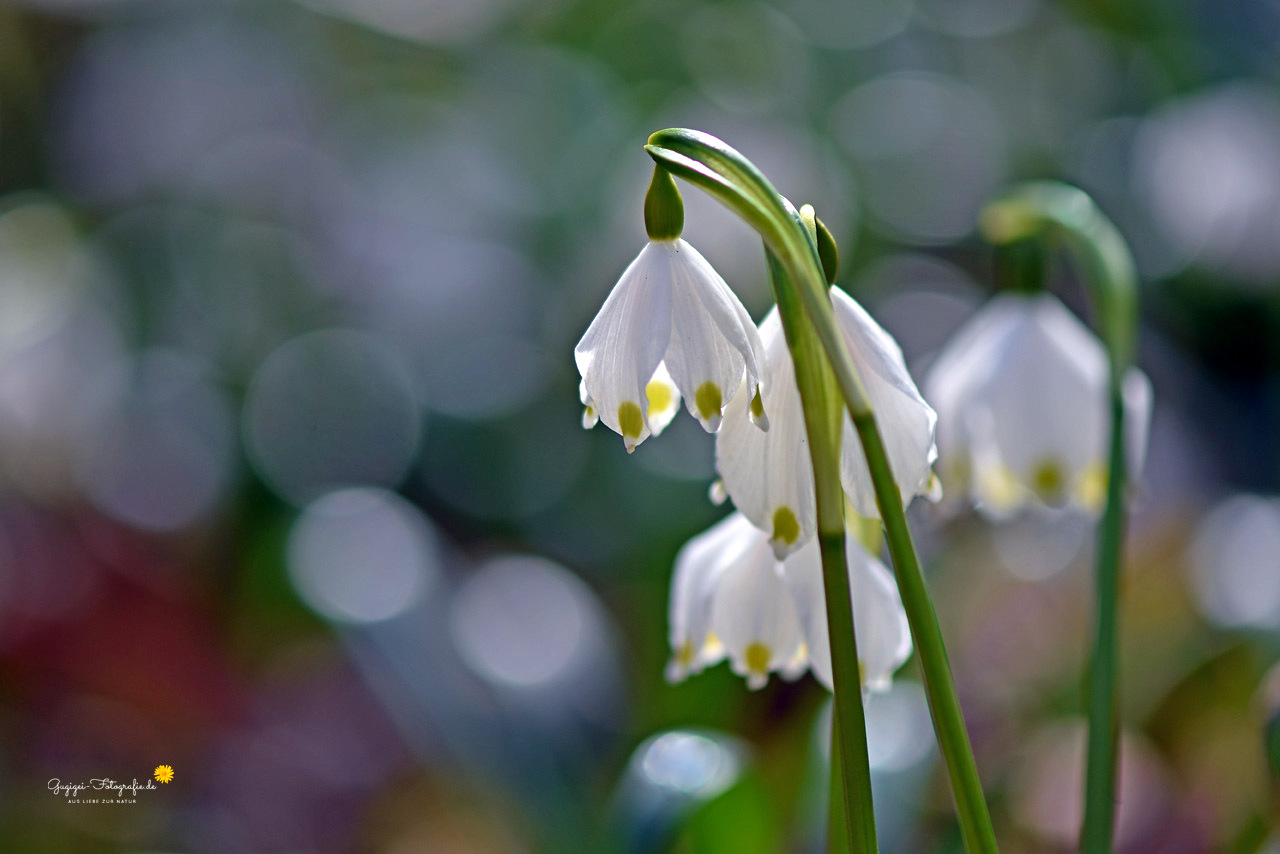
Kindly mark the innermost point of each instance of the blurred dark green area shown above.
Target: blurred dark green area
(293, 492)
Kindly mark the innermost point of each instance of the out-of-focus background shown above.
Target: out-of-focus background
(294, 497)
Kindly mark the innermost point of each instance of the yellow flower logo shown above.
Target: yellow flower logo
(164, 773)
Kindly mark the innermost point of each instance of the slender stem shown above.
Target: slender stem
(1052, 210)
(1100, 767)
(948, 719)
(837, 814)
(823, 422)
(854, 763)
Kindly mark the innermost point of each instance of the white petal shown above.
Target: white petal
(906, 421)
(769, 475)
(802, 570)
(713, 340)
(754, 616)
(996, 488)
(1137, 420)
(1089, 489)
(589, 415)
(624, 345)
(662, 399)
(699, 565)
(966, 360)
(884, 636)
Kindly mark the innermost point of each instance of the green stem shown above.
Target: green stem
(837, 813)
(1101, 758)
(944, 704)
(820, 403)
(1061, 212)
(726, 175)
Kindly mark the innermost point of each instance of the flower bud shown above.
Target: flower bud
(663, 207)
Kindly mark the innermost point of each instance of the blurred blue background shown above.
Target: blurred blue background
(294, 495)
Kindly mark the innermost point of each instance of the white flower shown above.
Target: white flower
(769, 476)
(1022, 396)
(670, 309)
(731, 598)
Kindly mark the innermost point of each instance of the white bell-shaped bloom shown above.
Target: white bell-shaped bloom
(769, 475)
(671, 309)
(1022, 393)
(732, 598)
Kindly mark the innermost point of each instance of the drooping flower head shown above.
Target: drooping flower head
(769, 475)
(732, 598)
(1022, 397)
(670, 328)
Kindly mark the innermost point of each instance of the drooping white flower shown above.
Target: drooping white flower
(1022, 394)
(670, 309)
(769, 475)
(731, 598)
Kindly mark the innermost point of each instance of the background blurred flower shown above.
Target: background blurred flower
(1022, 393)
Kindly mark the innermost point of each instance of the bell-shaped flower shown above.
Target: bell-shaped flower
(732, 598)
(669, 310)
(1022, 393)
(769, 475)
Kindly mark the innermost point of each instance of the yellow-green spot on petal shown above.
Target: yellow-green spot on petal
(757, 406)
(757, 655)
(712, 644)
(708, 400)
(630, 420)
(786, 528)
(999, 487)
(1091, 487)
(684, 655)
(867, 531)
(1048, 480)
(660, 396)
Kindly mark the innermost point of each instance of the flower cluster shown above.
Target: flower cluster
(750, 589)
(1022, 416)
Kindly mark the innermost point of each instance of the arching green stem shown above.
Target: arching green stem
(820, 401)
(712, 165)
(1064, 214)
